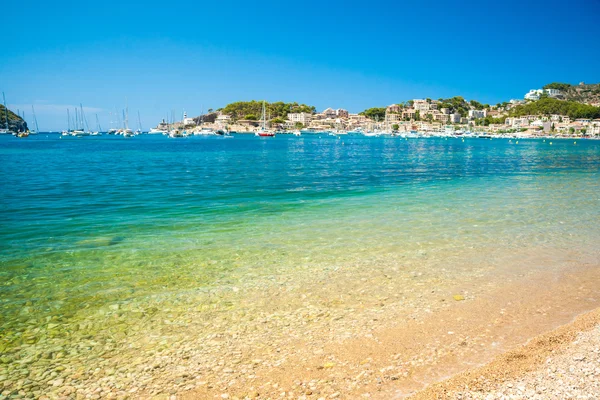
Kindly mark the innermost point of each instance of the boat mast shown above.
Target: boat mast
(84, 122)
(68, 121)
(127, 114)
(139, 121)
(98, 124)
(264, 116)
(37, 129)
(76, 119)
(5, 112)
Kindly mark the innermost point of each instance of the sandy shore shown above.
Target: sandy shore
(561, 364)
(402, 356)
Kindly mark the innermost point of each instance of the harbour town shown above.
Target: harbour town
(573, 111)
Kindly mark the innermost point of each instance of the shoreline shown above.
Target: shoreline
(405, 354)
(537, 355)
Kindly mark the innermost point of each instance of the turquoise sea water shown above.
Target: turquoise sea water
(91, 222)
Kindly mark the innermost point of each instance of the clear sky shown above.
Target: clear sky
(164, 56)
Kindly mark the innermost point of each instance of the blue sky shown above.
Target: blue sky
(160, 57)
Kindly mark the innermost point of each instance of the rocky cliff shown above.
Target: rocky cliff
(15, 123)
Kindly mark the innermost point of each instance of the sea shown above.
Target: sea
(111, 242)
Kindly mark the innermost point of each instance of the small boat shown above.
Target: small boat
(22, 134)
(205, 132)
(297, 133)
(263, 132)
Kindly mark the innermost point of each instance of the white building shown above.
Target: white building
(224, 119)
(476, 114)
(455, 118)
(303, 117)
(553, 92)
(420, 105)
(534, 94)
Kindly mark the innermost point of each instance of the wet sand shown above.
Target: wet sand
(563, 363)
(400, 353)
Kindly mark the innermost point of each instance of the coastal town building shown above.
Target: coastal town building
(421, 105)
(455, 118)
(476, 114)
(409, 113)
(304, 118)
(536, 94)
(223, 119)
(341, 113)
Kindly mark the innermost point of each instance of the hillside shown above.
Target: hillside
(582, 93)
(253, 109)
(15, 123)
(548, 106)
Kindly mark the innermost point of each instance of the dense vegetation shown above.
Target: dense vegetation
(253, 109)
(375, 113)
(549, 106)
(456, 104)
(557, 85)
(15, 122)
(489, 120)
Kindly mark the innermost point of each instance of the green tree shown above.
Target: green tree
(278, 120)
(557, 85)
(251, 117)
(298, 125)
(571, 130)
(375, 113)
(417, 115)
(549, 106)
(395, 127)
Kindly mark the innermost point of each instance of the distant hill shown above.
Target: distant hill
(15, 123)
(582, 93)
(253, 109)
(548, 106)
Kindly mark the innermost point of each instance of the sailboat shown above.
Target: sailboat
(98, 129)
(80, 121)
(139, 130)
(263, 130)
(68, 131)
(37, 129)
(127, 132)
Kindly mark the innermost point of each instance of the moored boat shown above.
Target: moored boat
(263, 132)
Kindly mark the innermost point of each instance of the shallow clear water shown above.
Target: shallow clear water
(89, 222)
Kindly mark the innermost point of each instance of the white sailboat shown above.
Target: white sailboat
(37, 129)
(98, 131)
(139, 129)
(262, 132)
(127, 132)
